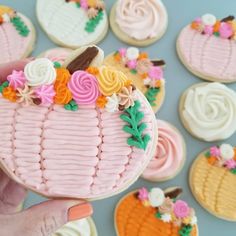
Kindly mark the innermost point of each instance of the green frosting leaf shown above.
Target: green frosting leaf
(20, 26)
(78, 4)
(133, 71)
(133, 117)
(233, 171)
(207, 154)
(217, 34)
(185, 230)
(71, 106)
(4, 85)
(151, 95)
(57, 64)
(158, 215)
(92, 23)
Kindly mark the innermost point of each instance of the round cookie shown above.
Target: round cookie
(138, 22)
(73, 23)
(78, 131)
(170, 154)
(146, 74)
(208, 111)
(17, 35)
(207, 48)
(154, 212)
(84, 227)
(212, 180)
(57, 54)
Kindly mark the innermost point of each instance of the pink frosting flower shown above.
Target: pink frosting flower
(215, 151)
(143, 194)
(230, 164)
(132, 64)
(16, 79)
(181, 209)
(226, 30)
(156, 72)
(46, 93)
(122, 52)
(84, 88)
(84, 4)
(167, 206)
(208, 30)
(198, 20)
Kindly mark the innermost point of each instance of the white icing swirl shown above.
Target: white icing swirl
(40, 72)
(75, 228)
(141, 19)
(210, 111)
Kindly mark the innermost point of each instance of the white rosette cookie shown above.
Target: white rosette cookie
(208, 111)
(138, 22)
(72, 23)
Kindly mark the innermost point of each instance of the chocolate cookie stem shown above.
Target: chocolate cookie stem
(158, 63)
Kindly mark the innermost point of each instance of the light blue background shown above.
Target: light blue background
(181, 12)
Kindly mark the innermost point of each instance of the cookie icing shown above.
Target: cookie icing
(141, 19)
(65, 23)
(169, 154)
(209, 111)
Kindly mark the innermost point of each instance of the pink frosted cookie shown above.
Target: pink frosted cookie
(170, 154)
(207, 48)
(17, 35)
(80, 131)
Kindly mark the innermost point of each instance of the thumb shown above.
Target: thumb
(44, 219)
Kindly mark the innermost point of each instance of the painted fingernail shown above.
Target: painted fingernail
(80, 211)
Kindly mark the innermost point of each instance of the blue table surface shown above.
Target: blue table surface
(178, 79)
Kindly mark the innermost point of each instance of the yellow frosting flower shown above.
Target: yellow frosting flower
(110, 80)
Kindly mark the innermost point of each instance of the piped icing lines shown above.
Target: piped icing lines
(8, 15)
(95, 12)
(222, 156)
(150, 71)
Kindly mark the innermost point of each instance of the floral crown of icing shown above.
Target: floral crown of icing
(222, 156)
(209, 25)
(8, 15)
(150, 71)
(45, 83)
(168, 208)
(95, 11)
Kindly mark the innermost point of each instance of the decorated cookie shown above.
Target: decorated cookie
(212, 180)
(154, 212)
(138, 22)
(73, 23)
(84, 227)
(57, 54)
(80, 130)
(207, 48)
(208, 111)
(170, 154)
(17, 35)
(145, 73)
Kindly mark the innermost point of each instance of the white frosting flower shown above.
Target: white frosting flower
(227, 151)
(40, 72)
(132, 53)
(166, 217)
(193, 220)
(112, 103)
(147, 81)
(156, 197)
(6, 18)
(208, 19)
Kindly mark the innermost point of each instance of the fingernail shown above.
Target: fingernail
(80, 211)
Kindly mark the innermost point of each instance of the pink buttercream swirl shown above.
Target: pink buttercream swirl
(46, 93)
(181, 209)
(84, 88)
(16, 79)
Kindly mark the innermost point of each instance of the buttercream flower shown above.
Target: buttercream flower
(63, 95)
(16, 79)
(92, 13)
(198, 20)
(143, 194)
(215, 151)
(126, 97)
(84, 4)
(143, 66)
(181, 209)
(6, 17)
(132, 53)
(112, 103)
(132, 64)
(46, 94)
(166, 217)
(167, 206)
(230, 164)
(227, 151)
(122, 52)
(156, 72)
(101, 101)
(84, 88)
(193, 220)
(40, 72)
(208, 19)
(100, 5)
(187, 220)
(208, 30)
(9, 93)
(25, 96)
(147, 81)
(156, 197)
(63, 77)
(225, 30)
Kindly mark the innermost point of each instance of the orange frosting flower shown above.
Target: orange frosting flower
(10, 94)
(144, 76)
(143, 55)
(195, 25)
(212, 160)
(117, 57)
(101, 101)
(217, 26)
(235, 153)
(158, 83)
(93, 70)
(128, 83)
(63, 77)
(63, 95)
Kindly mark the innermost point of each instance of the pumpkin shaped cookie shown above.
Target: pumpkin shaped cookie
(213, 181)
(145, 73)
(81, 130)
(154, 212)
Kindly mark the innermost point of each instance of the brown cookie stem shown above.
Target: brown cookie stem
(228, 18)
(158, 63)
(174, 193)
(83, 61)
